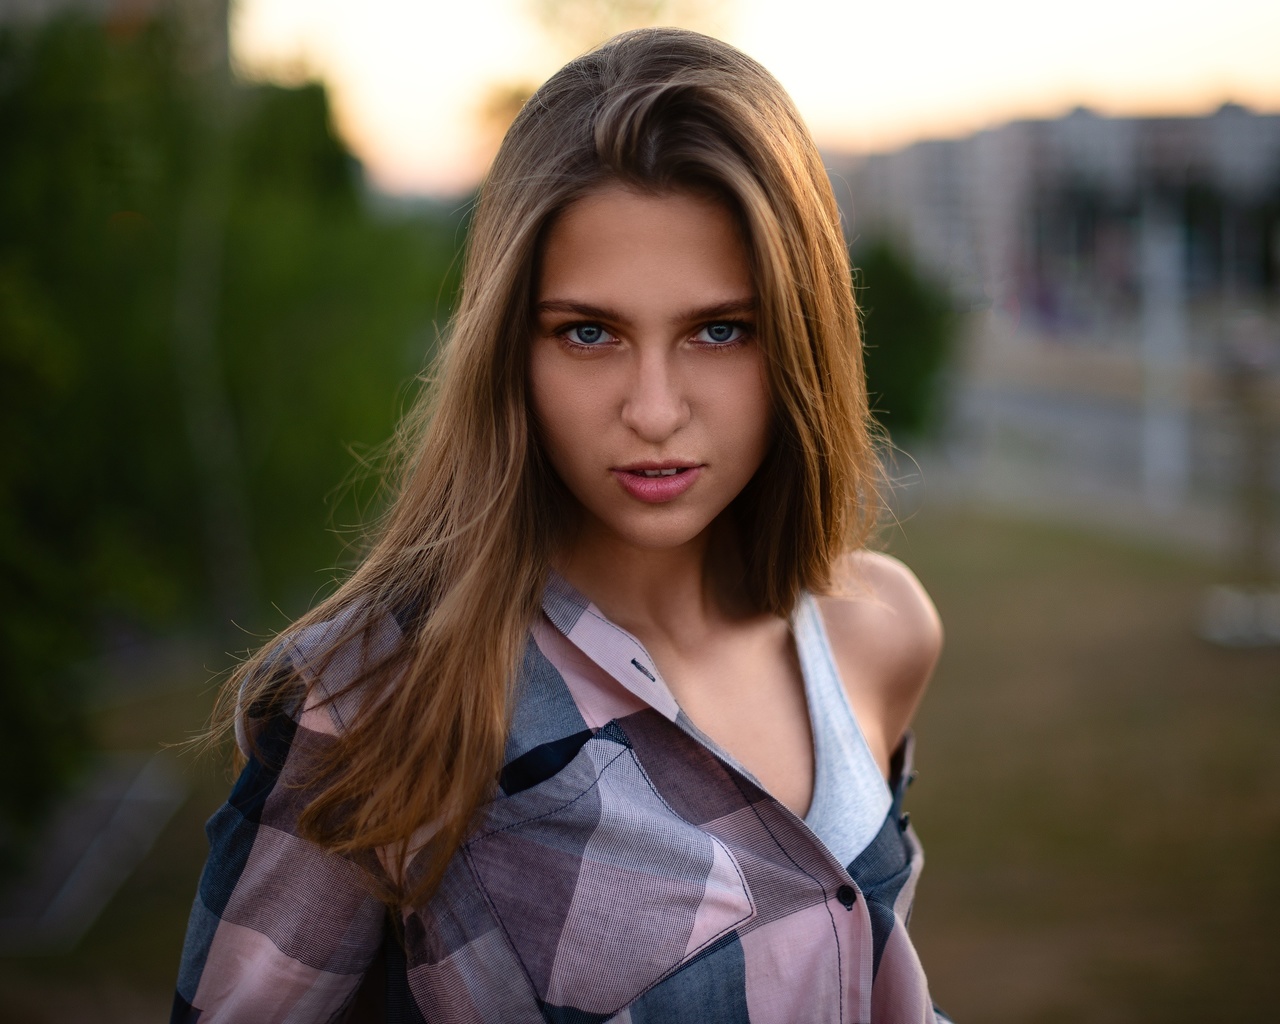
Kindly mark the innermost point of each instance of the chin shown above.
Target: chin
(651, 532)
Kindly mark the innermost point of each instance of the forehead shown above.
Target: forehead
(621, 241)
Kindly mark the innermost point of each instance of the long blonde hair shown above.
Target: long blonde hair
(462, 555)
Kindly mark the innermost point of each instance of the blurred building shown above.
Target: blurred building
(1121, 282)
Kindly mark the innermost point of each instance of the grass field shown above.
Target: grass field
(1099, 792)
(1099, 799)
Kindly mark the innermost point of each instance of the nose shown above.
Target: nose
(655, 406)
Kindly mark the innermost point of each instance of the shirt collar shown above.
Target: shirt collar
(611, 647)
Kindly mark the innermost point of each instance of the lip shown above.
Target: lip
(654, 490)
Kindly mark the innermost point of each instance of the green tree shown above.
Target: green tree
(907, 331)
(321, 312)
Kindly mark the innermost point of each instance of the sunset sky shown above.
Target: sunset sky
(410, 79)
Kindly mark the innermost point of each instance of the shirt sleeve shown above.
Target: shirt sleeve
(281, 930)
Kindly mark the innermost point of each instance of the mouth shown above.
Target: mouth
(656, 469)
(657, 482)
(657, 472)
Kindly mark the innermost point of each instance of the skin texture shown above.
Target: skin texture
(648, 277)
(643, 355)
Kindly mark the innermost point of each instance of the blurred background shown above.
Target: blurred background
(229, 239)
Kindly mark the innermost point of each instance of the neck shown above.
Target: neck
(666, 593)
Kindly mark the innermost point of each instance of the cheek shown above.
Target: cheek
(748, 416)
(542, 399)
(561, 407)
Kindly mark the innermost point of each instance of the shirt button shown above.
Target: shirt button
(847, 895)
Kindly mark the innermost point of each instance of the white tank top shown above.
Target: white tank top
(850, 795)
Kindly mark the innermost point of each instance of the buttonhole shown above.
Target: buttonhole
(652, 677)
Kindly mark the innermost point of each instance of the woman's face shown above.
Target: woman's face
(645, 375)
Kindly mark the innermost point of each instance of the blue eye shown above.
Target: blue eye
(721, 332)
(586, 334)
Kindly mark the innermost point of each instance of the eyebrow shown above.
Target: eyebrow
(732, 307)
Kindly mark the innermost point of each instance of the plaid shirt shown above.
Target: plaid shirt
(628, 870)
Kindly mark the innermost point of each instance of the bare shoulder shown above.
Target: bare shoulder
(881, 610)
(886, 638)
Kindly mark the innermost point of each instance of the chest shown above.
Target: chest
(631, 874)
(745, 690)
(646, 880)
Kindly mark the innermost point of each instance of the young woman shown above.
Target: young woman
(610, 722)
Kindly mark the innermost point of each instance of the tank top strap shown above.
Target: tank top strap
(850, 795)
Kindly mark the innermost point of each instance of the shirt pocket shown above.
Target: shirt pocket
(601, 888)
